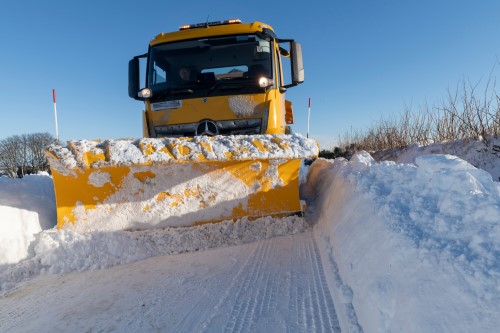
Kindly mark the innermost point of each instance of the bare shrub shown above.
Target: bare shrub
(22, 154)
(463, 115)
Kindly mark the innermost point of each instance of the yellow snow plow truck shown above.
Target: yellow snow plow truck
(217, 143)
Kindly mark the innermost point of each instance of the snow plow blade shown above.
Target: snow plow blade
(172, 182)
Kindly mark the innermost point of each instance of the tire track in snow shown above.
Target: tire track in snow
(214, 319)
(242, 312)
(311, 305)
(218, 304)
(28, 302)
(344, 291)
(291, 295)
(207, 304)
(320, 294)
(303, 319)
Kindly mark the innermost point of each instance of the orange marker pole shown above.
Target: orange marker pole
(55, 115)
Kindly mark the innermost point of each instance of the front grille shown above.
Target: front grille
(224, 127)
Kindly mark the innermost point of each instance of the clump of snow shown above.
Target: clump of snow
(27, 206)
(147, 151)
(243, 106)
(410, 245)
(99, 178)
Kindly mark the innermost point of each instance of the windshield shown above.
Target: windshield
(201, 66)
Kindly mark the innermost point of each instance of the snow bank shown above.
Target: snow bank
(483, 154)
(27, 206)
(413, 248)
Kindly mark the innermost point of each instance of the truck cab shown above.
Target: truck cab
(217, 78)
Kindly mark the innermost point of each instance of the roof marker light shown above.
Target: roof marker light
(209, 24)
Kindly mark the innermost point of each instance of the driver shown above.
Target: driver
(185, 73)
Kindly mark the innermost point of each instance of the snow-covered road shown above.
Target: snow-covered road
(274, 285)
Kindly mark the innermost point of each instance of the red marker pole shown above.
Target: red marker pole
(55, 115)
(308, 115)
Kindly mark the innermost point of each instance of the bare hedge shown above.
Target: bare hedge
(23, 154)
(465, 114)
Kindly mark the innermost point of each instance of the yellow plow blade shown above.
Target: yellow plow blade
(149, 183)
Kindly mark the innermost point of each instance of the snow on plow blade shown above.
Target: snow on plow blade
(146, 183)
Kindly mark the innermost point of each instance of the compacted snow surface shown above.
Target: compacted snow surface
(384, 247)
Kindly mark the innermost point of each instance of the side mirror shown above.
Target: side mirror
(133, 78)
(297, 63)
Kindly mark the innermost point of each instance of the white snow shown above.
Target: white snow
(99, 178)
(483, 154)
(27, 206)
(384, 247)
(175, 209)
(415, 247)
(243, 106)
(87, 154)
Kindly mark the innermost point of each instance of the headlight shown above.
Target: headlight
(145, 93)
(265, 82)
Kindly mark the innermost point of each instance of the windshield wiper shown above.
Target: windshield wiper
(173, 91)
(181, 91)
(226, 85)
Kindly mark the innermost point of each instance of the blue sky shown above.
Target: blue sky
(363, 59)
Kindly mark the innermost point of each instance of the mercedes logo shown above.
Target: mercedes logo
(207, 127)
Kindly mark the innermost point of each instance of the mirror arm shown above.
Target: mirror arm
(145, 55)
